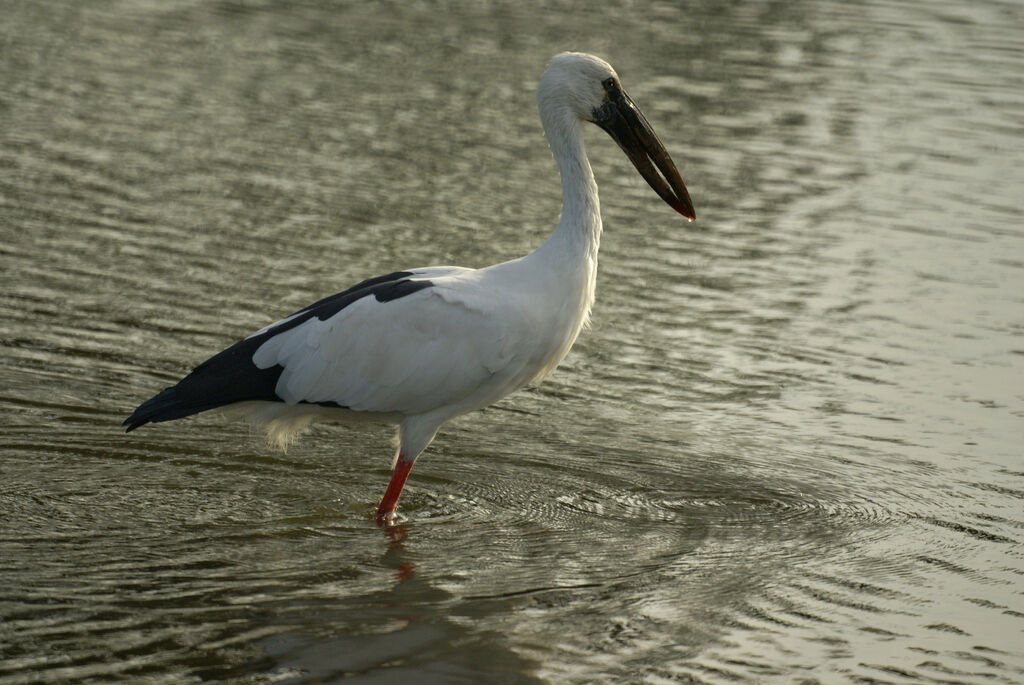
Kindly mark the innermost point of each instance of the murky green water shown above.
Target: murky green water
(790, 449)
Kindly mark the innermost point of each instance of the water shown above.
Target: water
(789, 450)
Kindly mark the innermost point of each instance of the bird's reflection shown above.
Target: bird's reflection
(395, 556)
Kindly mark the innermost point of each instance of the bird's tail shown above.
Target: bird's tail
(225, 379)
(167, 405)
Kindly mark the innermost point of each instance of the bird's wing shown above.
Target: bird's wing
(391, 343)
(427, 348)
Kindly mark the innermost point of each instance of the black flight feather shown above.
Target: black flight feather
(231, 376)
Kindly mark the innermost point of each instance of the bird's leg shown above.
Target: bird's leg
(386, 509)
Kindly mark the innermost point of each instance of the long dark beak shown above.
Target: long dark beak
(628, 127)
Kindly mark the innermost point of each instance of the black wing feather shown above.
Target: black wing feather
(231, 376)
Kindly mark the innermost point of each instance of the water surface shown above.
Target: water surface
(789, 449)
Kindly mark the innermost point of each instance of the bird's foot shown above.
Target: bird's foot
(386, 518)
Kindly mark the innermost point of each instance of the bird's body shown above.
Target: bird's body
(418, 347)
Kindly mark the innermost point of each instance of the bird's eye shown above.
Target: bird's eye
(608, 82)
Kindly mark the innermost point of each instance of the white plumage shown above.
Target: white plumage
(421, 346)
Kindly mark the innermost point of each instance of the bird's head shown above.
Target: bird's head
(590, 89)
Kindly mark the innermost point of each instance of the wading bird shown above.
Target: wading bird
(418, 347)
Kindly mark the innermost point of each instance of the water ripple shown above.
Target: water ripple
(787, 449)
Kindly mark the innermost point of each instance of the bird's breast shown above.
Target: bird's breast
(563, 311)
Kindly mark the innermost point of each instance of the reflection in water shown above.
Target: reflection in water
(787, 450)
(395, 557)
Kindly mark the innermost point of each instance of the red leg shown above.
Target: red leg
(386, 509)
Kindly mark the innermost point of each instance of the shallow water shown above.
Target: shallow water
(789, 449)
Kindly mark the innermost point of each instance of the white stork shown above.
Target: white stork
(415, 348)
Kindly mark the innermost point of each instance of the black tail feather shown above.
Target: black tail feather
(170, 404)
(226, 378)
(231, 376)
(164, 406)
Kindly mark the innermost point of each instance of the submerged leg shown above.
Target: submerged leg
(386, 508)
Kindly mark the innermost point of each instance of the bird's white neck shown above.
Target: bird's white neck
(578, 234)
(565, 267)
